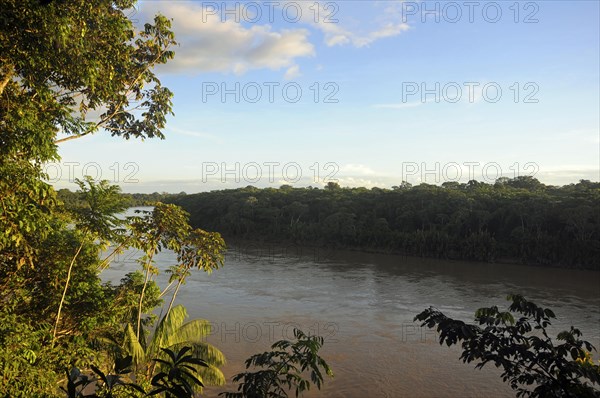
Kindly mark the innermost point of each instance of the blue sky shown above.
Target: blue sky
(370, 124)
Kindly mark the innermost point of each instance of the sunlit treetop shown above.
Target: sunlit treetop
(70, 68)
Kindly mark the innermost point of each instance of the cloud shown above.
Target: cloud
(357, 170)
(292, 72)
(568, 174)
(209, 44)
(335, 34)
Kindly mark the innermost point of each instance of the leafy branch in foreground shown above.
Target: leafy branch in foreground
(178, 380)
(283, 369)
(528, 356)
(175, 334)
(106, 385)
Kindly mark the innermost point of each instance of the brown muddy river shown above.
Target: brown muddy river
(364, 304)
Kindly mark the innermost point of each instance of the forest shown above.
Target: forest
(513, 220)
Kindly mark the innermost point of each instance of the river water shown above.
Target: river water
(364, 305)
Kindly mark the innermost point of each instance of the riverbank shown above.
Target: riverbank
(270, 248)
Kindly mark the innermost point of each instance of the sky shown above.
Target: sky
(363, 93)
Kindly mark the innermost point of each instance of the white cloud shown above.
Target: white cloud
(357, 170)
(211, 43)
(568, 174)
(292, 72)
(208, 44)
(389, 30)
(335, 34)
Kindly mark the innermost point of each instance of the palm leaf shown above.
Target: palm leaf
(211, 375)
(205, 351)
(132, 346)
(166, 329)
(194, 331)
(211, 354)
(172, 334)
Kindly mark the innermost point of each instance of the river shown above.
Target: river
(364, 305)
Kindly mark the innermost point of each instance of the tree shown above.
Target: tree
(68, 69)
(178, 381)
(283, 368)
(166, 226)
(61, 63)
(200, 249)
(505, 221)
(332, 186)
(64, 60)
(106, 385)
(174, 334)
(523, 349)
(97, 220)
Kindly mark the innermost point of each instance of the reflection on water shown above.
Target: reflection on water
(363, 304)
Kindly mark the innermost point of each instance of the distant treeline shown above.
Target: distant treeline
(135, 199)
(516, 220)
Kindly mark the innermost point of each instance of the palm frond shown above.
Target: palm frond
(132, 346)
(166, 329)
(211, 375)
(194, 331)
(209, 353)
(203, 350)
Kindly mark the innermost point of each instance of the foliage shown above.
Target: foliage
(126, 300)
(174, 333)
(283, 369)
(61, 61)
(164, 227)
(61, 64)
(25, 205)
(68, 70)
(30, 298)
(179, 380)
(98, 209)
(516, 220)
(98, 222)
(199, 249)
(105, 385)
(529, 358)
(25, 350)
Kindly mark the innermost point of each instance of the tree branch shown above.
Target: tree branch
(106, 262)
(64, 294)
(6, 79)
(72, 137)
(117, 109)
